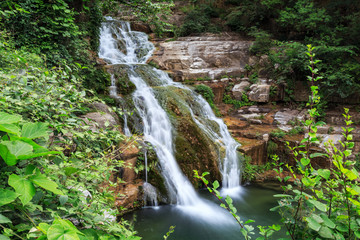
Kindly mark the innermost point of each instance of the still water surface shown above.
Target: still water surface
(252, 202)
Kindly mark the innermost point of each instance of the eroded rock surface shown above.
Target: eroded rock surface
(208, 56)
(260, 92)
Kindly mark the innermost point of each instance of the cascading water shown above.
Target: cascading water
(113, 93)
(157, 127)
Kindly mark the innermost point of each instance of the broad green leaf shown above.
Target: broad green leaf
(355, 202)
(350, 174)
(313, 224)
(70, 170)
(339, 236)
(58, 232)
(90, 234)
(307, 181)
(29, 170)
(44, 182)
(327, 221)
(205, 173)
(18, 148)
(3, 237)
(325, 173)
(249, 221)
(23, 157)
(34, 130)
(216, 184)
(23, 187)
(10, 159)
(62, 230)
(312, 135)
(314, 155)
(10, 128)
(325, 232)
(305, 161)
(4, 219)
(356, 189)
(342, 227)
(43, 227)
(319, 205)
(63, 199)
(7, 196)
(228, 200)
(37, 148)
(6, 118)
(282, 195)
(276, 227)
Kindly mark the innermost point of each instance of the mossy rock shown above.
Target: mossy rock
(194, 150)
(123, 84)
(155, 177)
(150, 75)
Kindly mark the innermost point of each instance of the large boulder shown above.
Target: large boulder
(194, 150)
(207, 56)
(239, 89)
(102, 117)
(259, 93)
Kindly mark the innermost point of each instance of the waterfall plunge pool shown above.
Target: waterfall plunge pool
(252, 202)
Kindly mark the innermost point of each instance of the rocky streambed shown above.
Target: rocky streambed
(224, 63)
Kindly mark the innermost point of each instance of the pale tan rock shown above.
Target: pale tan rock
(239, 89)
(210, 56)
(259, 93)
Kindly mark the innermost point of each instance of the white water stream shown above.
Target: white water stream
(136, 49)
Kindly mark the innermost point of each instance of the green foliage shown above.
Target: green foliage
(262, 43)
(49, 27)
(303, 17)
(154, 13)
(271, 148)
(251, 171)
(57, 31)
(331, 25)
(40, 113)
(237, 103)
(171, 230)
(198, 21)
(324, 202)
(208, 94)
(243, 17)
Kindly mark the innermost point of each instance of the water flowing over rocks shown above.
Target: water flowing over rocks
(221, 62)
(178, 124)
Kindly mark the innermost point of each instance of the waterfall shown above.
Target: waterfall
(135, 50)
(113, 93)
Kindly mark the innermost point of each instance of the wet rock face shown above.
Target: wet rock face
(210, 56)
(193, 149)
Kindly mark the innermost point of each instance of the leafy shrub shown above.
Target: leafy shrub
(199, 20)
(236, 103)
(35, 102)
(304, 17)
(262, 43)
(296, 130)
(208, 94)
(278, 133)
